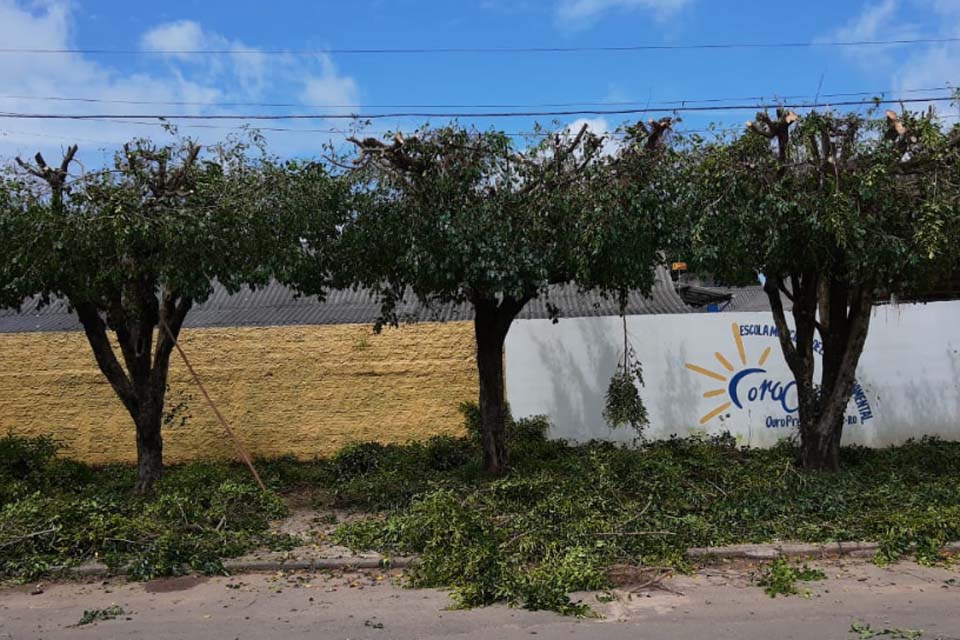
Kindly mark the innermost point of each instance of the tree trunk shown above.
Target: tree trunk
(493, 406)
(141, 382)
(820, 445)
(149, 445)
(843, 322)
(491, 322)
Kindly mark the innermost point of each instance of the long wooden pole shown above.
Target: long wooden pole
(226, 427)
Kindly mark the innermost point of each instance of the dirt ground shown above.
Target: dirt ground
(903, 601)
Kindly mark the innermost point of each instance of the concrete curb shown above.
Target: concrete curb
(307, 564)
(794, 550)
(250, 565)
(768, 551)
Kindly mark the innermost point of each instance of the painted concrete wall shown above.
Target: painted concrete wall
(305, 390)
(698, 379)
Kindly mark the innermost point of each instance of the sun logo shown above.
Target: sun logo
(732, 377)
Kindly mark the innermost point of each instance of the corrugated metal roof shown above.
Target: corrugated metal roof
(277, 305)
(752, 298)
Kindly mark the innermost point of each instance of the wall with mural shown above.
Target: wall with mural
(303, 390)
(309, 390)
(720, 372)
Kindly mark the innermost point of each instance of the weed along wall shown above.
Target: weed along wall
(716, 372)
(298, 390)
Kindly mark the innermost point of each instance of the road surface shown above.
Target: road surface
(716, 603)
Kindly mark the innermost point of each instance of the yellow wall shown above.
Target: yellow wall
(304, 390)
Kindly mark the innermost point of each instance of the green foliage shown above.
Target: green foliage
(63, 513)
(458, 214)
(529, 429)
(96, 615)
(132, 246)
(154, 216)
(563, 514)
(780, 577)
(623, 403)
(853, 200)
(836, 211)
(865, 631)
(25, 458)
(551, 526)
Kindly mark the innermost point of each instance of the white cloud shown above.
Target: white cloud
(907, 68)
(173, 38)
(241, 63)
(937, 64)
(580, 13)
(870, 23)
(241, 75)
(599, 127)
(329, 88)
(876, 21)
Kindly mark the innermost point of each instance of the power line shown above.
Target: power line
(473, 114)
(186, 103)
(494, 50)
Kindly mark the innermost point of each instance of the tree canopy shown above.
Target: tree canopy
(834, 212)
(133, 246)
(458, 215)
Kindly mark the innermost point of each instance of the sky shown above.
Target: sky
(258, 67)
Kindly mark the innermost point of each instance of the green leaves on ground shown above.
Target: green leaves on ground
(95, 615)
(780, 577)
(865, 632)
(564, 514)
(552, 526)
(61, 513)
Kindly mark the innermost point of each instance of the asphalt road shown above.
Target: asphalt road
(887, 603)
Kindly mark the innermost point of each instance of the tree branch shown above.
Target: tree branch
(96, 332)
(772, 288)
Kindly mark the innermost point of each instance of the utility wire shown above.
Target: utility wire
(186, 103)
(471, 114)
(345, 132)
(494, 50)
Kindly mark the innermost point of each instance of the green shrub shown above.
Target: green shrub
(530, 429)
(358, 459)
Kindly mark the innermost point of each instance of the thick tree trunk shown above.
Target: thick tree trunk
(820, 446)
(493, 406)
(149, 445)
(141, 382)
(843, 322)
(492, 320)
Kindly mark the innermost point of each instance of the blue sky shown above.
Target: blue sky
(326, 82)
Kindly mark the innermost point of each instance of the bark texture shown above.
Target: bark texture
(840, 315)
(492, 320)
(141, 380)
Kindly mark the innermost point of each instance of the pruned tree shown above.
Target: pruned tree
(457, 215)
(835, 212)
(133, 247)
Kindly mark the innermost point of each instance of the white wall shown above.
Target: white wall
(909, 372)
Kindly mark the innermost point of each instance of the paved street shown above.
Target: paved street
(715, 603)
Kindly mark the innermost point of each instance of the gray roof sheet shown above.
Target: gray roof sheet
(277, 305)
(752, 298)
